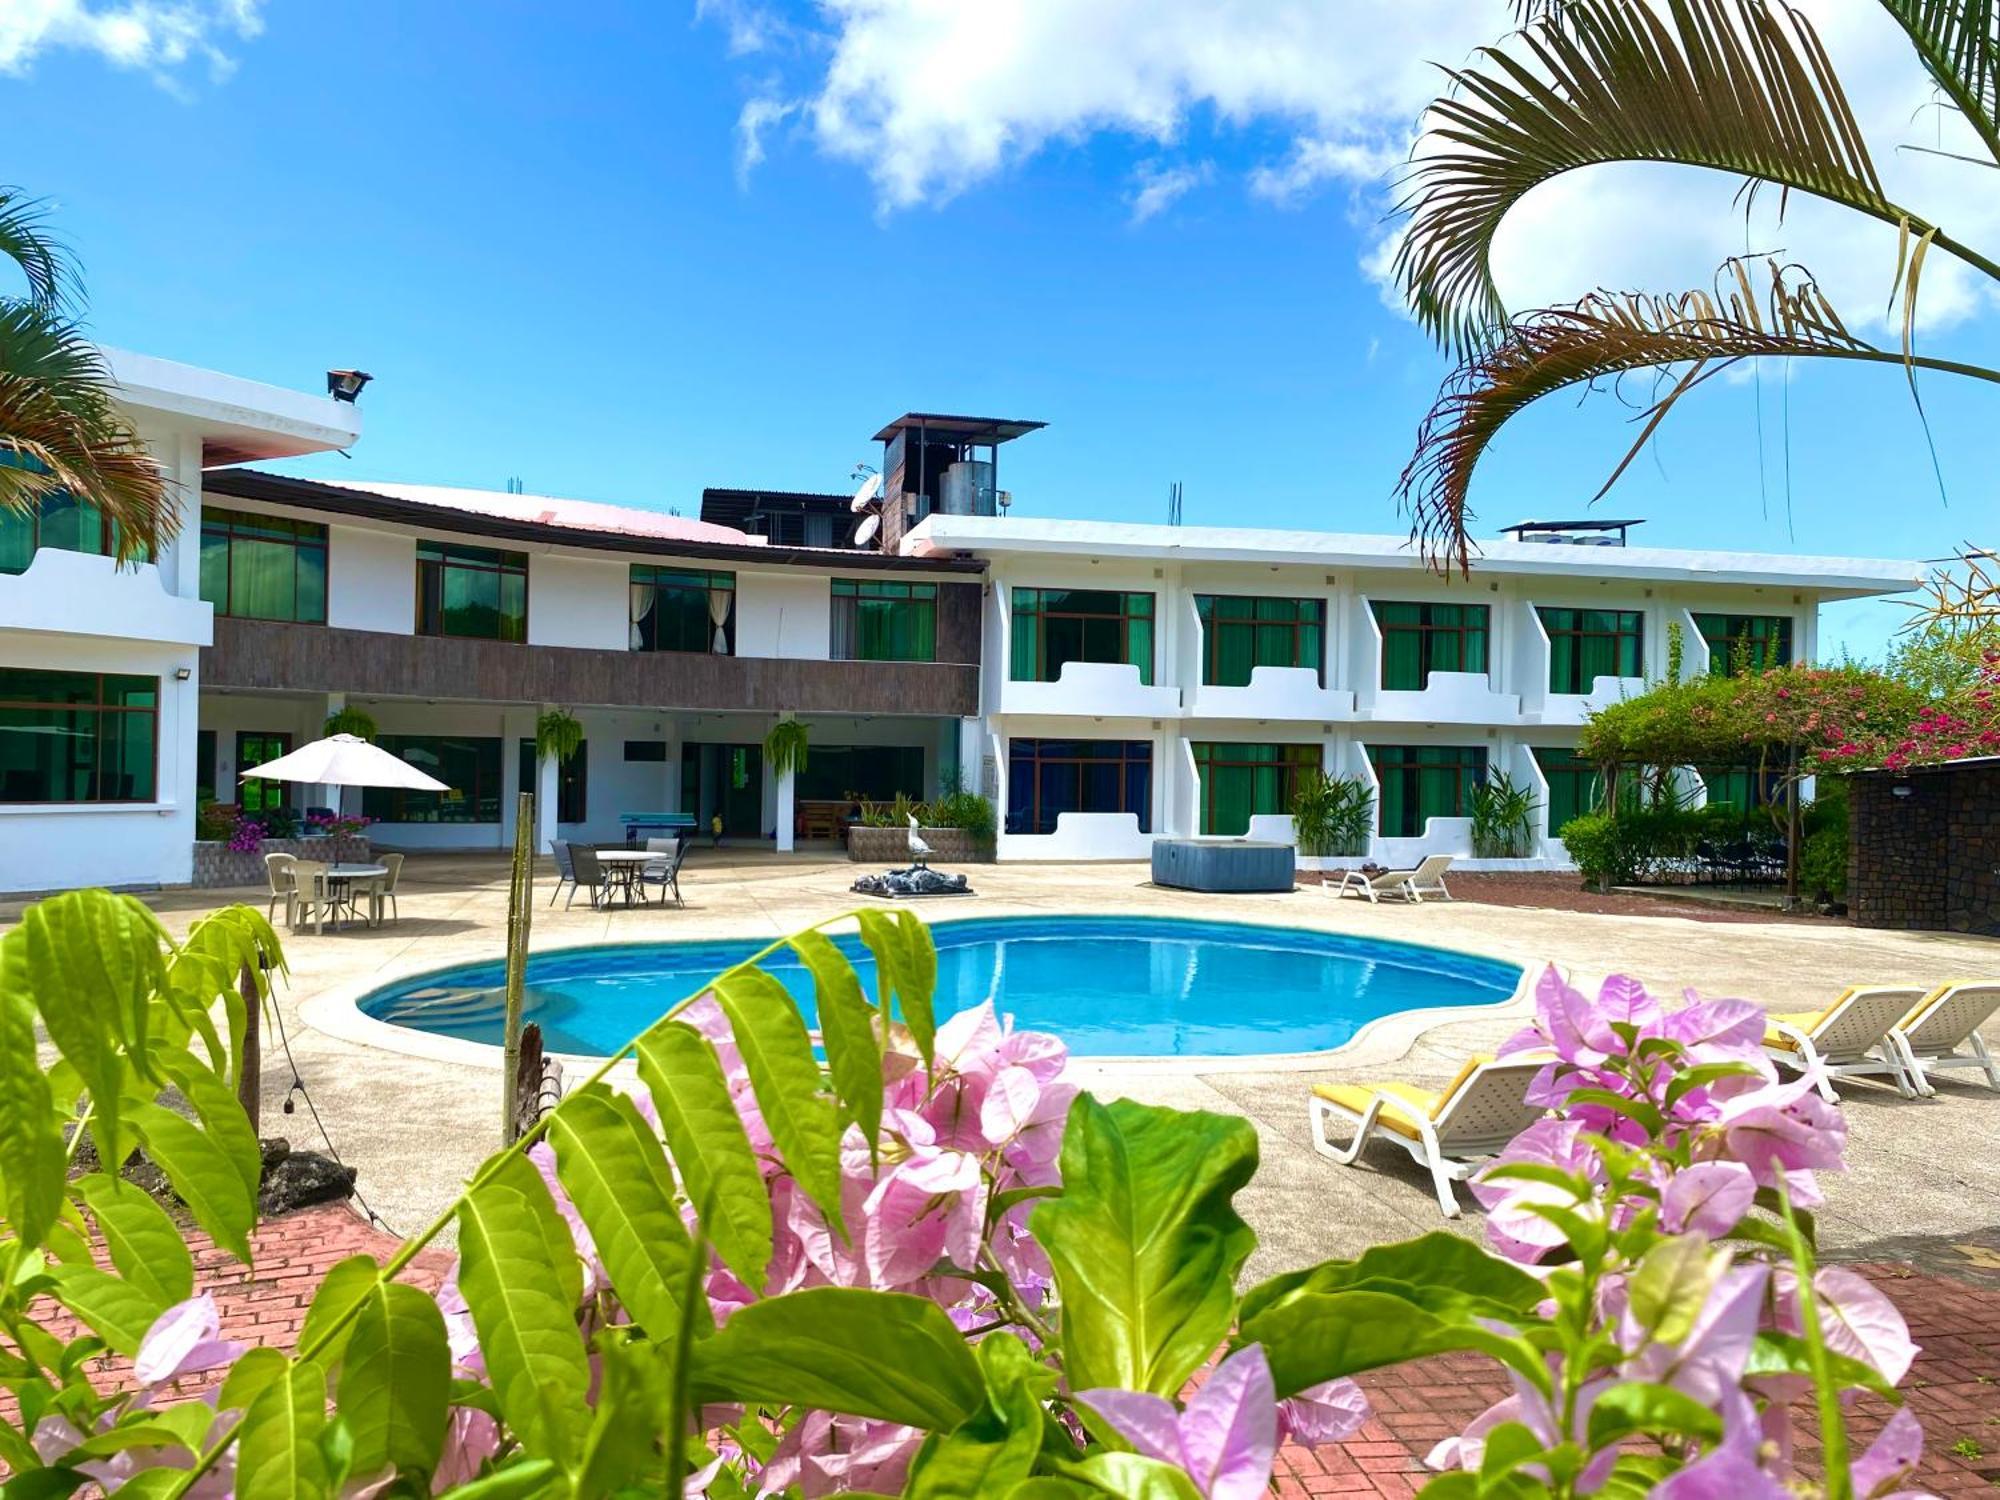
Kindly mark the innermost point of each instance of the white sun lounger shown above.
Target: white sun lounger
(1850, 1038)
(1452, 1131)
(1947, 1019)
(1427, 879)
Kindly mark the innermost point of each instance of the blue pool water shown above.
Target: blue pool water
(1109, 986)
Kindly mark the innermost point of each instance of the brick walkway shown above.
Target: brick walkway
(1949, 1293)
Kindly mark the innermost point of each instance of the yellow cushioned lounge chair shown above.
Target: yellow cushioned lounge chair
(1848, 1039)
(1946, 1019)
(1451, 1131)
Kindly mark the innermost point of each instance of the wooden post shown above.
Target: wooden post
(1793, 823)
(520, 913)
(250, 1066)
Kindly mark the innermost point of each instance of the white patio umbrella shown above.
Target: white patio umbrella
(346, 760)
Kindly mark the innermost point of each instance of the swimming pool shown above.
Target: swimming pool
(1109, 986)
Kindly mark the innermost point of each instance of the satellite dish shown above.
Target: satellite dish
(865, 532)
(870, 488)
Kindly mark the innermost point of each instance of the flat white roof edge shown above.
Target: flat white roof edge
(991, 534)
(230, 401)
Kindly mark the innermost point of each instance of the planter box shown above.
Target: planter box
(216, 864)
(891, 846)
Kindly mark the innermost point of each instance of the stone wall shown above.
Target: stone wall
(1928, 860)
(216, 864)
(891, 846)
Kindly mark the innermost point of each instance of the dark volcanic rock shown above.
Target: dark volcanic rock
(915, 881)
(301, 1179)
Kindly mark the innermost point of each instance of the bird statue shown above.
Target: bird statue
(920, 852)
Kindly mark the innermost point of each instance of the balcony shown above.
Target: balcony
(1447, 698)
(81, 593)
(1575, 708)
(276, 656)
(1286, 693)
(1102, 690)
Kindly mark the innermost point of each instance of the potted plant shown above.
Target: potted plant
(786, 746)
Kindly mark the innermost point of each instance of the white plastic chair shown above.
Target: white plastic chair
(1949, 1017)
(1425, 879)
(1849, 1039)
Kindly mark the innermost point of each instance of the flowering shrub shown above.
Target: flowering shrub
(247, 837)
(1965, 725)
(924, 1263)
(337, 825)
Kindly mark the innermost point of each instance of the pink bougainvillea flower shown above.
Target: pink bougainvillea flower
(1225, 1440)
(1709, 1198)
(1712, 1358)
(184, 1340)
(1855, 1318)
(1878, 1474)
(1513, 1225)
(1734, 1469)
(828, 1455)
(1782, 1128)
(1531, 1409)
(1330, 1412)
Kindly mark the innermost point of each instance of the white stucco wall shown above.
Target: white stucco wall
(371, 580)
(784, 614)
(576, 601)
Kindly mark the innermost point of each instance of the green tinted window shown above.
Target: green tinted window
(683, 609)
(1420, 782)
(263, 567)
(1419, 639)
(1586, 644)
(1242, 781)
(883, 620)
(77, 737)
(1241, 634)
(470, 767)
(1745, 643)
(472, 591)
(61, 522)
(1053, 627)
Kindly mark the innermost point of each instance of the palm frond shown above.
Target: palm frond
(60, 431)
(1687, 336)
(1742, 86)
(1959, 42)
(52, 280)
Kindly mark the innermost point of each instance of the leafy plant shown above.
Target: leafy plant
(246, 836)
(1676, 652)
(957, 807)
(786, 746)
(1332, 815)
(1503, 818)
(558, 734)
(354, 721)
(215, 822)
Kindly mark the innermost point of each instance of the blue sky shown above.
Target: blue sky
(548, 237)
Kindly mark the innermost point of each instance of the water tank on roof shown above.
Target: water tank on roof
(968, 489)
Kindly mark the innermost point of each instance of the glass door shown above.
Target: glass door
(254, 748)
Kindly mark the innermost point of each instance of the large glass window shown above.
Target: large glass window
(1576, 786)
(1053, 627)
(263, 567)
(472, 591)
(572, 780)
(1586, 644)
(1047, 778)
(1740, 643)
(77, 736)
(1419, 639)
(470, 767)
(61, 521)
(1740, 787)
(1241, 781)
(1420, 782)
(884, 621)
(683, 609)
(839, 773)
(1241, 633)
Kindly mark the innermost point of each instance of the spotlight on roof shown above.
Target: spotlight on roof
(345, 385)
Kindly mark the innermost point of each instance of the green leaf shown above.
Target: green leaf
(520, 1277)
(115, 1310)
(278, 1456)
(249, 1375)
(847, 1026)
(1321, 1336)
(1671, 1286)
(48, 1484)
(616, 1173)
(394, 1380)
(905, 972)
(1439, 1258)
(145, 1244)
(221, 1115)
(203, 1173)
(630, 1411)
(517, 1481)
(844, 1349)
(996, 1447)
(1126, 1475)
(1786, 1354)
(1144, 1242)
(680, 1069)
(1635, 1406)
(784, 1074)
(329, 1324)
(31, 1141)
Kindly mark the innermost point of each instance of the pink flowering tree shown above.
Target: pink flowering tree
(908, 1256)
(1964, 725)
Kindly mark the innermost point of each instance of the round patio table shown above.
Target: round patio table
(624, 866)
(346, 876)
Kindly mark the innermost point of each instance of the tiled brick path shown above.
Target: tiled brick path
(1954, 1388)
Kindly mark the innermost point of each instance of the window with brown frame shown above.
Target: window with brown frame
(1241, 633)
(1047, 778)
(78, 736)
(1053, 627)
(475, 592)
(1586, 644)
(1419, 639)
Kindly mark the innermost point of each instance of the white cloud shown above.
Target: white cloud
(1157, 187)
(931, 98)
(756, 117)
(749, 26)
(161, 37)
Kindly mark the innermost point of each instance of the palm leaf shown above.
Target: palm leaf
(1741, 86)
(1959, 42)
(61, 431)
(1687, 335)
(51, 276)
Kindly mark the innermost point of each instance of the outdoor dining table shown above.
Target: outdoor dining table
(624, 865)
(345, 877)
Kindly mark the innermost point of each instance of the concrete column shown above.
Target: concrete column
(330, 795)
(787, 803)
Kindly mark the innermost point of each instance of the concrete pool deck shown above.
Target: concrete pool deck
(415, 1126)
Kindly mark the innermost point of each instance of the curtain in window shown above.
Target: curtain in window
(1024, 663)
(260, 585)
(1403, 660)
(719, 601)
(641, 596)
